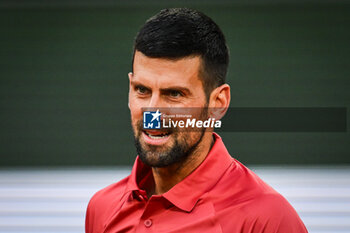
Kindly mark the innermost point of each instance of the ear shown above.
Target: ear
(219, 101)
(130, 75)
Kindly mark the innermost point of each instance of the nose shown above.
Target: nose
(155, 101)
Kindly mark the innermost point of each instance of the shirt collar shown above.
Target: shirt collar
(186, 194)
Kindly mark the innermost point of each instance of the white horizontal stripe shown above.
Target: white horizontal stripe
(55, 200)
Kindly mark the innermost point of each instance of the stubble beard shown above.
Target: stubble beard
(179, 151)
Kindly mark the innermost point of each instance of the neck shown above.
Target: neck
(167, 177)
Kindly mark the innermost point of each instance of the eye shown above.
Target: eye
(175, 93)
(141, 90)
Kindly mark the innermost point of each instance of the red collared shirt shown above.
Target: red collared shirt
(221, 195)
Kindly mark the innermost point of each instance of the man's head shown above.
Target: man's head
(180, 61)
(180, 32)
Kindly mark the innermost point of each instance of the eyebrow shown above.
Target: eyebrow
(171, 88)
(133, 83)
(176, 88)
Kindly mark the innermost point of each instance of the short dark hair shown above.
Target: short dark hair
(181, 32)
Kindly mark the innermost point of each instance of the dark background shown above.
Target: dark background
(64, 85)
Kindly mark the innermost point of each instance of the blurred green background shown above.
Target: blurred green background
(64, 86)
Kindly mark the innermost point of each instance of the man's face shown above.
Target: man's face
(163, 83)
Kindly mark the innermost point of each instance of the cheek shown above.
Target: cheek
(135, 111)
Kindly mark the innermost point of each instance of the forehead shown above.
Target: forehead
(184, 70)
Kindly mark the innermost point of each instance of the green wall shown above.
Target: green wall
(63, 80)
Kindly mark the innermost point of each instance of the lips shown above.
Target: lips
(156, 133)
(155, 137)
